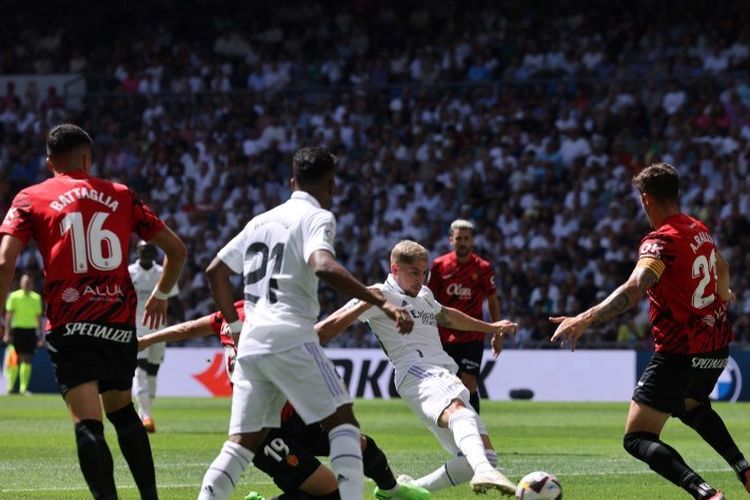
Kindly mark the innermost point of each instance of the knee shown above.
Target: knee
(694, 417)
(456, 407)
(124, 417)
(89, 430)
(632, 441)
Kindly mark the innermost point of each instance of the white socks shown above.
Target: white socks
(222, 475)
(463, 424)
(346, 461)
(455, 471)
(141, 392)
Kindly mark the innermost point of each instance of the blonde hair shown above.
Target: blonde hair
(462, 224)
(407, 251)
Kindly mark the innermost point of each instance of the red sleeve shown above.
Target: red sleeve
(434, 282)
(17, 220)
(145, 222)
(489, 281)
(216, 321)
(657, 246)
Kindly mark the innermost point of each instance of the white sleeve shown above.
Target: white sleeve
(319, 233)
(233, 253)
(374, 311)
(430, 299)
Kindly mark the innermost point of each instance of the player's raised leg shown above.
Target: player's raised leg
(464, 424)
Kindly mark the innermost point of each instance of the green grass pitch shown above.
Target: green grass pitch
(579, 442)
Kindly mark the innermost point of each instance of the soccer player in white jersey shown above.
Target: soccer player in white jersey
(425, 373)
(145, 273)
(282, 253)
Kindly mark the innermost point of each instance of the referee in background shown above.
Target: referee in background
(23, 329)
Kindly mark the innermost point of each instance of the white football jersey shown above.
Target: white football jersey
(144, 282)
(422, 346)
(281, 290)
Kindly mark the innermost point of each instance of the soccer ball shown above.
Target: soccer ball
(539, 485)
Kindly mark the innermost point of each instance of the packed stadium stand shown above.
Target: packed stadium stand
(529, 122)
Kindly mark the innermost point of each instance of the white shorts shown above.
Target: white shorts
(154, 353)
(428, 390)
(264, 382)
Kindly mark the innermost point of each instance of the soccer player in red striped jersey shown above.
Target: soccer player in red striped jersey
(686, 279)
(463, 280)
(82, 227)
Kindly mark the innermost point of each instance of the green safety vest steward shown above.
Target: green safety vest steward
(26, 309)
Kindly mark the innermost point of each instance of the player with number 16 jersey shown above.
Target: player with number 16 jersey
(687, 314)
(82, 225)
(85, 259)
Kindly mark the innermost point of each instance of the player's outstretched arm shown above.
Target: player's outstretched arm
(340, 320)
(326, 268)
(458, 320)
(175, 254)
(624, 298)
(200, 327)
(221, 288)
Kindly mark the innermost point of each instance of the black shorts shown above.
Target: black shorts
(282, 458)
(24, 340)
(83, 352)
(669, 379)
(467, 355)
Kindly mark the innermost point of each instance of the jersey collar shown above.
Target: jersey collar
(303, 195)
(391, 282)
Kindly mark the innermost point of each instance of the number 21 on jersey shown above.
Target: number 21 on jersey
(704, 268)
(259, 249)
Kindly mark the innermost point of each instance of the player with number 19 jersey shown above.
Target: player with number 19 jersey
(686, 312)
(85, 261)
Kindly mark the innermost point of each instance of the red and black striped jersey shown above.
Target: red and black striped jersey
(463, 286)
(686, 312)
(82, 226)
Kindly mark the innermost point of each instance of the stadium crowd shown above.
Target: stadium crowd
(528, 122)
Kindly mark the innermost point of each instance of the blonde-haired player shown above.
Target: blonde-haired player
(425, 374)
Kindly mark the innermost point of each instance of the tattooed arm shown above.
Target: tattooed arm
(627, 296)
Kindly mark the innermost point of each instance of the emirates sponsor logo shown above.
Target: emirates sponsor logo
(459, 290)
(70, 295)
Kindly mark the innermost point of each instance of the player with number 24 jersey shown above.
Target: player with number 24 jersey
(687, 314)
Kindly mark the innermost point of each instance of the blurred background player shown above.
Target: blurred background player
(462, 280)
(82, 227)
(290, 451)
(687, 282)
(23, 329)
(425, 375)
(145, 273)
